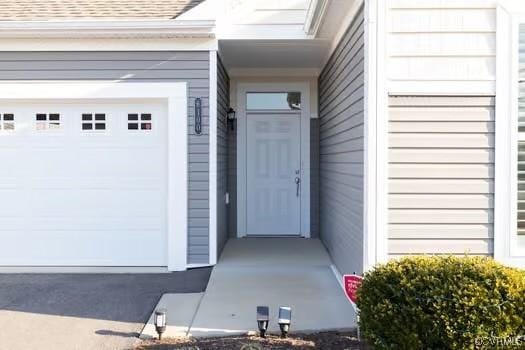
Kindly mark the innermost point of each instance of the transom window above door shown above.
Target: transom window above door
(290, 101)
(48, 121)
(93, 122)
(7, 122)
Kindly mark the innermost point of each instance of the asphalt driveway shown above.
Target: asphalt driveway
(84, 311)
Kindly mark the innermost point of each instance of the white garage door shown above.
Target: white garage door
(83, 184)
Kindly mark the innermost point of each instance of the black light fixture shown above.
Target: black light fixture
(230, 117)
(263, 318)
(285, 319)
(160, 322)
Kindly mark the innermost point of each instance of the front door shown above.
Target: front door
(273, 205)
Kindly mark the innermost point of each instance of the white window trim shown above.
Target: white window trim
(505, 202)
(213, 159)
(175, 97)
(304, 89)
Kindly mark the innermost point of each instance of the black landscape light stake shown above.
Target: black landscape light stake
(160, 322)
(263, 318)
(285, 319)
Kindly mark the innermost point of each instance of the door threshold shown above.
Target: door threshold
(273, 236)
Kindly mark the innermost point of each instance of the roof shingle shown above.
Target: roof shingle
(56, 10)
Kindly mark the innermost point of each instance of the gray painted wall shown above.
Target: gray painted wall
(223, 104)
(191, 67)
(441, 175)
(341, 138)
(314, 178)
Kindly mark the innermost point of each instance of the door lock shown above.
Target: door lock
(298, 183)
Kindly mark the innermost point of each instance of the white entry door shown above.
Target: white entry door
(273, 205)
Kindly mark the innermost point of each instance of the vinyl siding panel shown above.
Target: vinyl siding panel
(436, 46)
(441, 175)
(223, 104)
(190, 67)
(341, 147)
(314, 178)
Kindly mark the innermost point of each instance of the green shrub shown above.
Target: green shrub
(441, 303)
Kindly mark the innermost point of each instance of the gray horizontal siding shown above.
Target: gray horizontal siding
(341, 147)
(190, 67)
(223, 104)
(441, 175)
(314, 177)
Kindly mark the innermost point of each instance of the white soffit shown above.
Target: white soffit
(337, 16)
(273, 53)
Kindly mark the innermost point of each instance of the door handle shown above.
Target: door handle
(298, 183)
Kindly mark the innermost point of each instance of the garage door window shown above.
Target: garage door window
(7, 122)
(140, 121)
(93, 122)
(48, 121)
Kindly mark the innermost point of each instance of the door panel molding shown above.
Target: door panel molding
(273, 203)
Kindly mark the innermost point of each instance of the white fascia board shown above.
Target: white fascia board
(108, 29)
(315, 16)
(107, 44)
(263, 32)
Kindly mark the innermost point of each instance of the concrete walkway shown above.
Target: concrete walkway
(264, 271)
(84, 311)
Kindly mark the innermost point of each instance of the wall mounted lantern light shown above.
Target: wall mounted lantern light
(230, 117)
(160, 322)
(263, 318)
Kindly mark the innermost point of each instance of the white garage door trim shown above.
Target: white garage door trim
(174, 95)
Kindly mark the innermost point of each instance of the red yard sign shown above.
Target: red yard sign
(352, 283)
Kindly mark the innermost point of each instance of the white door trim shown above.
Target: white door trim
(304, 89)
(506, 248)
(375, 247)
(175, 97)
(213, 159)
